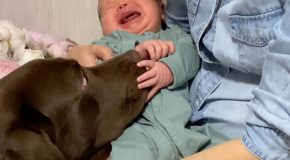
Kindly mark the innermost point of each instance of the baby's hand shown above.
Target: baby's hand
(88, 55)
(155, 49)
(157, 76)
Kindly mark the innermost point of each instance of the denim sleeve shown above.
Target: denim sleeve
(268, 130)
(176, 14)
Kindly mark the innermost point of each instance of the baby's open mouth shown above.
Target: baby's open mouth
(129, 16)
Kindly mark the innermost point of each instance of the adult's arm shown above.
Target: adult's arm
(268, 129)
(268, 132)
(231, 150)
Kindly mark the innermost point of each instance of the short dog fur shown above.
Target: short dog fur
(57, 110)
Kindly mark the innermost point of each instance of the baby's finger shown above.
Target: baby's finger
(143, 53)
(171, 47)
(149, 83)
(151, 51)
(146, 63)
(145, 76)
(152, 93)
(157, 44)
(165, 50)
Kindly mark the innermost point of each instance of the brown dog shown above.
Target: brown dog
(57, 110)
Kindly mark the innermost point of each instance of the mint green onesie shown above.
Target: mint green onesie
(161, 133)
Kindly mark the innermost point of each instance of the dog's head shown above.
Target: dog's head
(113, 87)
(72, 105)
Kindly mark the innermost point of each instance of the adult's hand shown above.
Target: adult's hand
(89, 54)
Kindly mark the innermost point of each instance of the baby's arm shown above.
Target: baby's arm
(185, 62)
(171, 69)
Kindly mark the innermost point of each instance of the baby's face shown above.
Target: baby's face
(135, 16)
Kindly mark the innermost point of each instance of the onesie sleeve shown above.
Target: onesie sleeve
(185, 62)
(112, 41)
(119, 41)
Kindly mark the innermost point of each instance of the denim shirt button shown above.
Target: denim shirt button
(157, 110)
(115, 47)
(260, 41)
(196, 103)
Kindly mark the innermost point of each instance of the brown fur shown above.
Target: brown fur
(46, 113)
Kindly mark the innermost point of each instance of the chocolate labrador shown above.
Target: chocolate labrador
(57, 110)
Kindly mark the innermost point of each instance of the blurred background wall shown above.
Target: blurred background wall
(73, 19)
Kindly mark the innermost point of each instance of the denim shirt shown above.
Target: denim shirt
(237, 89)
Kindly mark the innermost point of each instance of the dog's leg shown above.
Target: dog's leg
(29, 145)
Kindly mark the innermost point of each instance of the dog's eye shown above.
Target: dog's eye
(85, 81)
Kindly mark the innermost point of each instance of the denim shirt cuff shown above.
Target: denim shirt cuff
(266, 144)
(246, 140)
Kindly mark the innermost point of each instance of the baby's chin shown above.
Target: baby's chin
(140, 30)
(133, 29)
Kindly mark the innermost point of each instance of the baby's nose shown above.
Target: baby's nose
(122, 6)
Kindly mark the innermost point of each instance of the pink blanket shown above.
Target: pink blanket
(7, 66)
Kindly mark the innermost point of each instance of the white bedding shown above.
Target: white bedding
(73, 19)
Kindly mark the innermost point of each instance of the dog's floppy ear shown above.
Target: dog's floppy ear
(20, 143)
(19, 140)
(29, 145)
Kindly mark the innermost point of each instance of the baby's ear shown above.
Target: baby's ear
(162, 11)
(163, 16)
